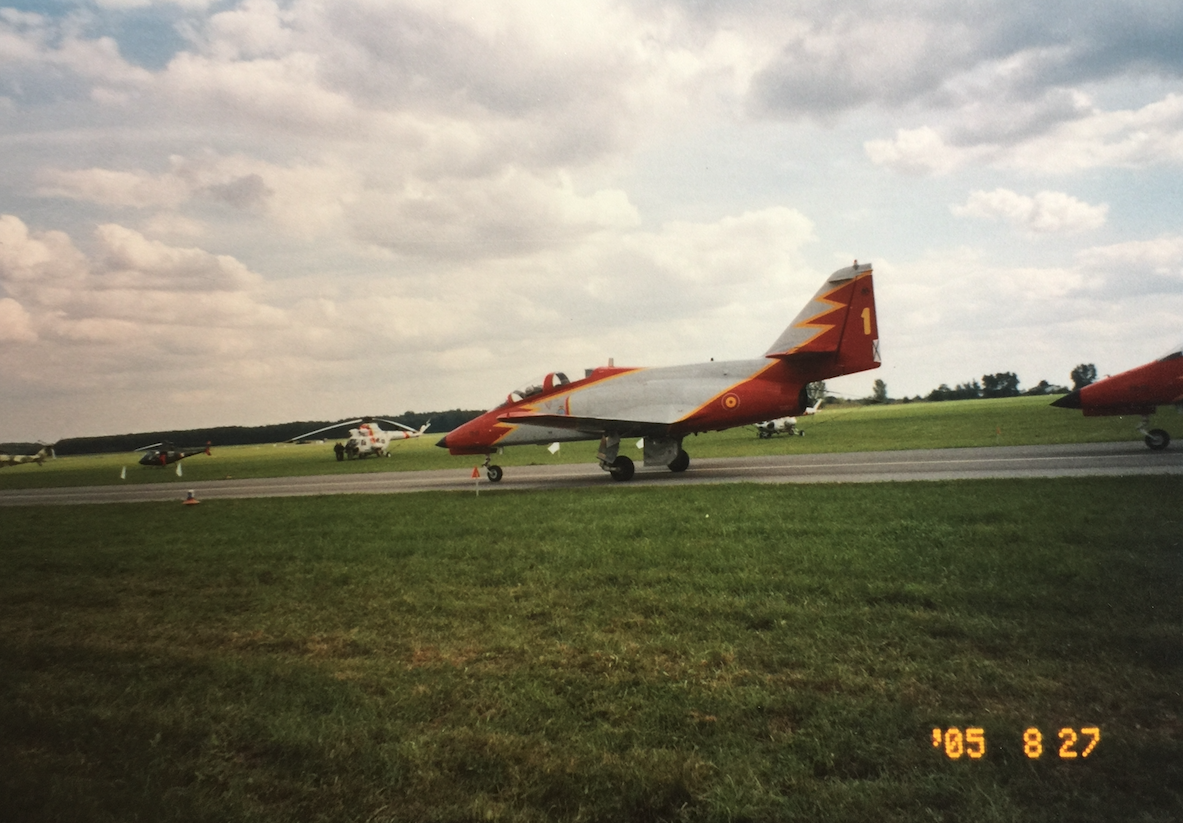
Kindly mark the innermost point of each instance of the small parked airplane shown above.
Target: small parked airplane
(1138, 391)
(836, 333)
(783, 425)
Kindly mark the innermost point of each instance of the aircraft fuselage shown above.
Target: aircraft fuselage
(670, 401)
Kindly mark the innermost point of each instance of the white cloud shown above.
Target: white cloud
(257, 28)
(1163, 255)
(506, 212)
(31, 260)
(835, 62)
(736, 251)
(16, 326)
(131, 285)
(139, 4)
(115, 188)
(1136, 138)
(1140, 138)
(1048, 212)
(1138, 267)
(915, 151)
(509, 213)
(132, 261)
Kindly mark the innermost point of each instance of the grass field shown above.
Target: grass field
(1006, 422)
(726, 653)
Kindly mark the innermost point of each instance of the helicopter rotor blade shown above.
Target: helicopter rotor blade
(402, 426)
(324, 429)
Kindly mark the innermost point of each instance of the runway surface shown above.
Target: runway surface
(1105, 459)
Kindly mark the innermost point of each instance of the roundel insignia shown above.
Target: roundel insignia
(730, 401)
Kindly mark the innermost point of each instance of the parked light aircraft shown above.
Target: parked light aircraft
(368, 438)
(165, 453)
(1140, 390)
(835, 334)
(17, 459)
(783, 425)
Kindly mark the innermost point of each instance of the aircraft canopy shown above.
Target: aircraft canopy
(1173, 353)
(545, 384)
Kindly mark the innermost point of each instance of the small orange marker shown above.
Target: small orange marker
(191, 500)
(476, 472)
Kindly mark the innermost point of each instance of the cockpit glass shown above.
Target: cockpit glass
(1173, 353)
(545, 384)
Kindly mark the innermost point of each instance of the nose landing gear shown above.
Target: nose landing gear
(1156, 439)
(493, 472)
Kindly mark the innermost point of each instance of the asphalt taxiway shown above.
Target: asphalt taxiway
(1074, 460)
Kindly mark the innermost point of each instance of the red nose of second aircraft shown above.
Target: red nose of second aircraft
(474, 437)
(1068, 401)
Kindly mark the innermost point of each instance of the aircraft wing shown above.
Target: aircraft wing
(589, 425)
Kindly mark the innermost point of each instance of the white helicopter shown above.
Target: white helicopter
(368, 438)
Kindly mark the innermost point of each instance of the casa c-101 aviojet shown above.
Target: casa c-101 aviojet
(1140, 390)
(835, 334)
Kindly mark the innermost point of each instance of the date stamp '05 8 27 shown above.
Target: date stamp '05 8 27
(1073, 744)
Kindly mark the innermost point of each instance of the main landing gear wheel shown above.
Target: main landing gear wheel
(622, 469)
(1157, 439)
(681, 462)
(493, 473)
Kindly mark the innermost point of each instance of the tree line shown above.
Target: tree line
(1000, 384)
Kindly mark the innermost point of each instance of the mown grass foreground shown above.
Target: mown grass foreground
(724, 653)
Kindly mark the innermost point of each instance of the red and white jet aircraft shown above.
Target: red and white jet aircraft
(835, 334)
(1137, 391)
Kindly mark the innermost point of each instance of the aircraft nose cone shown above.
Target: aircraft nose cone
(442, 442)
(1069, 401)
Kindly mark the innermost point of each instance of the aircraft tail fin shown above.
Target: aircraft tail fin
(838, 322)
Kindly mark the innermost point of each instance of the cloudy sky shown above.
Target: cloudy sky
(249, 211)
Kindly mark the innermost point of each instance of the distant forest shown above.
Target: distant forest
(441, 422)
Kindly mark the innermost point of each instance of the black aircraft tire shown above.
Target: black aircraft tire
(1157, 439)
(622, 469)
(681, 462)
(494, 474)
